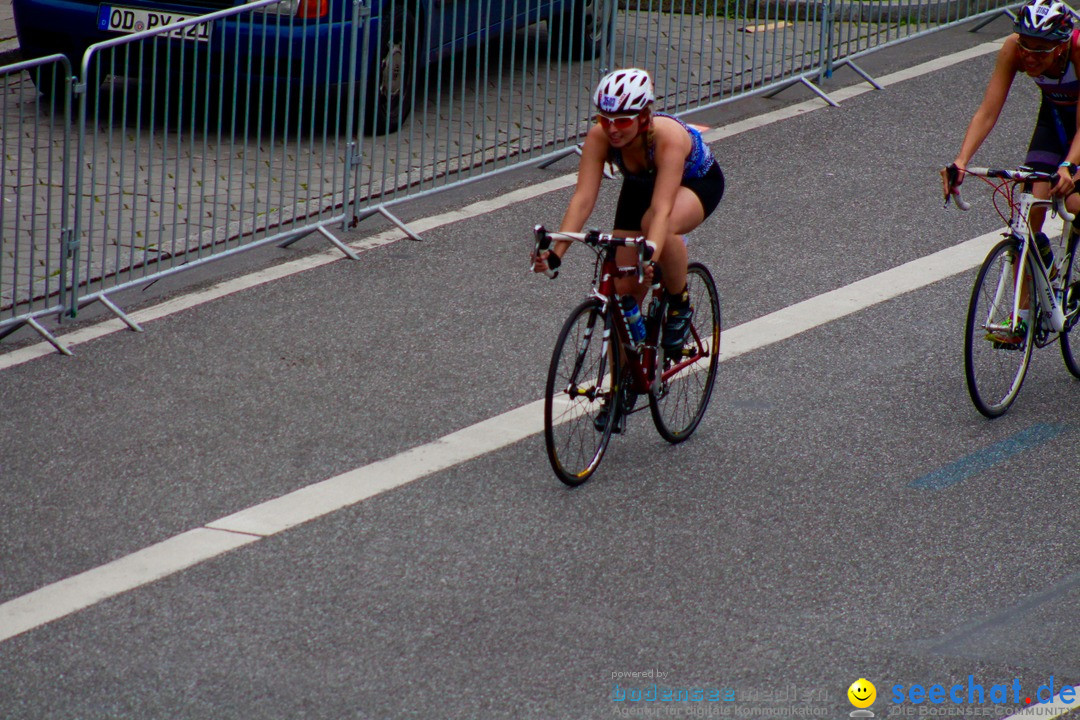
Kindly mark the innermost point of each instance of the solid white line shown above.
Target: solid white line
(314, 501)
(239, 529)
(286, 269)
(105, 581)
(190, 300)
(851, 91)
(859, 295)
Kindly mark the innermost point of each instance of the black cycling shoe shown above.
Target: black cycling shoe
(675, 331)
(626, 406)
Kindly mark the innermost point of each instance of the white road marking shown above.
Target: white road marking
(105, 581)
(274, 516)
(223, 289)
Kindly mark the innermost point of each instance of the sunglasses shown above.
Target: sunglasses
(621, 122)
(1036, 51)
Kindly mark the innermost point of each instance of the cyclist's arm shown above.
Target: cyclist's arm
(590, 173)
(1066, 182)
(672, 149)
(986, 116)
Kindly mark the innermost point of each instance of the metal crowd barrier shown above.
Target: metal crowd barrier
(225, 139)
(282, 118)
(35, 194)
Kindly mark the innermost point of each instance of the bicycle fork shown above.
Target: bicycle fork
(573, 387)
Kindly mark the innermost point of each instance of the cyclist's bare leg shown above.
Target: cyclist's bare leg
(627, 258)
(686, 214)
(1041, 190)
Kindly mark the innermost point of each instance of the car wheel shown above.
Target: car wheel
(390, 77)
(579, 30)
(51, 83)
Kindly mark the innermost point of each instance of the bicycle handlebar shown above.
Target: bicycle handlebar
(594, 239)
(1018, 175)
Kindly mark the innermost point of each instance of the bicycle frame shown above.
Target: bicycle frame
(638, 361)
(1052, 318)
(594, 380)
(1021, 228)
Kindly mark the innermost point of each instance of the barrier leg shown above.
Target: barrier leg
(992, 18)
(349, 253)
(816, 90)
(49, 337)
(381, 210)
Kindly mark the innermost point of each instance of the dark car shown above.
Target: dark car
(303, 42)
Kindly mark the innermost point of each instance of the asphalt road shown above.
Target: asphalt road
(782, 553)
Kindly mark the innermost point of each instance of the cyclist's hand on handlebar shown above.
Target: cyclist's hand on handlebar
(1064, 185)
(951, 179)
(648, 272)
(546, 262)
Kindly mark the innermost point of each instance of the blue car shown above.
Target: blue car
(302, 43)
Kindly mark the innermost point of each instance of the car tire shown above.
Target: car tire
(390, 77)
(578, 31)
(51, 83)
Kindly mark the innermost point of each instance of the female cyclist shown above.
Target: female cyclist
(672, 183)
(1046, 48)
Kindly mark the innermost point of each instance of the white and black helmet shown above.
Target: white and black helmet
(1045, 19)
(624, 91)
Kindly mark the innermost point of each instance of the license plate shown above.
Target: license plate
(112, 18)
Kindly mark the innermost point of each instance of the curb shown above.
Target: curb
(849, 11)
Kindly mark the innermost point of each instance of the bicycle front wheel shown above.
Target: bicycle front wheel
(683, 385)
(1070, 344)
(579, 391)
(996, 349)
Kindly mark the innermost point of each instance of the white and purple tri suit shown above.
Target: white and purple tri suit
(1056, 124)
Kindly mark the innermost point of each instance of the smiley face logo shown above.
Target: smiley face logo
(862, 693)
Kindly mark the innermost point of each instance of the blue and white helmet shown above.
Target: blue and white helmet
(1045, 19)
(624, 91)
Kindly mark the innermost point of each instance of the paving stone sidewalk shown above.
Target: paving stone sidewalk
(154, 197)
(9, 44)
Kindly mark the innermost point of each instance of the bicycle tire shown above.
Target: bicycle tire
(678, 403)
(1070, 344)
(995, 371)
(578, 386)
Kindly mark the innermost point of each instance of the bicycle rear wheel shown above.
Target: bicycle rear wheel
(996, 360)
(683, 386)
(579, 386)
(1070, 344)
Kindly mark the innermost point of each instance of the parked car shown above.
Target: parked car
(277, 42)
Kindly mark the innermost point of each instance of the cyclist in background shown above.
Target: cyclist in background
(671, 184)
(1045, 46)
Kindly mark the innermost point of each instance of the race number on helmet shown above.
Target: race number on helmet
(1045, 19)
(624, 91)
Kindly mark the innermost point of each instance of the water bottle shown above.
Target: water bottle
(634, 321)
(1045, 251)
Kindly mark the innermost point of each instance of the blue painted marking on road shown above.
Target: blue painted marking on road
(986, 458)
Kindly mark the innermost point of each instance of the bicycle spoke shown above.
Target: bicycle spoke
(1070, 338)
(997, 344)
(576, 432)
(685, 386)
